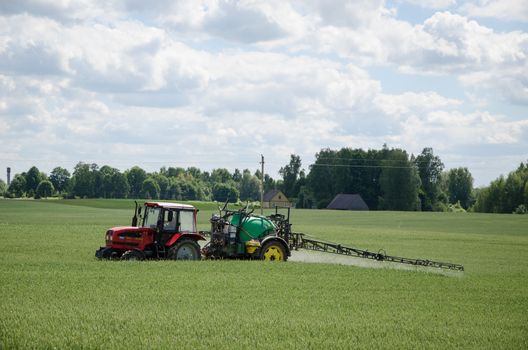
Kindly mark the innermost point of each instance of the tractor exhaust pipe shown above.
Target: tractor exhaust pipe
(135, 218)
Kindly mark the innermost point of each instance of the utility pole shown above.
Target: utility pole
(262, 185)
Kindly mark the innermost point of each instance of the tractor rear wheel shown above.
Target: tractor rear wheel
(273, 251)
(186, 249)
(132, 255)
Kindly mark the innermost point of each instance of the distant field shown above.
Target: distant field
(125, 203)
(55, 294)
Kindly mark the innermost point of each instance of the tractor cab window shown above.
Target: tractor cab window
(187, 221)
(169, 220)
(151, 217)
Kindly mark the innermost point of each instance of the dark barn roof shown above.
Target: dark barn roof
(348, 202)
(269, 195)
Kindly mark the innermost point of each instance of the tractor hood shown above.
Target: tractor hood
(119, 229)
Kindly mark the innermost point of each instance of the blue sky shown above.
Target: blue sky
(216, 83)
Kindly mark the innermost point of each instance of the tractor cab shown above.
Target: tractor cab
(159, 230)
(168, 219)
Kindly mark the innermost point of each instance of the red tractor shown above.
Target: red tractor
(163, 231)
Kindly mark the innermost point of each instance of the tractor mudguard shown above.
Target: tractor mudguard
(177, 236)
(278, 239)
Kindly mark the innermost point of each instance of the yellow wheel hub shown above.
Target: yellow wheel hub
(273, 253)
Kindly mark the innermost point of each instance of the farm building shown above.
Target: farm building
(348, 202)
(275, 198)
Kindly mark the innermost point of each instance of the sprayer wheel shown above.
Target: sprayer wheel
(273, 251)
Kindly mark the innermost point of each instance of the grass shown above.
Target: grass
(55, 294)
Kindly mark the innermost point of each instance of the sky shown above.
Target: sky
(212, 83)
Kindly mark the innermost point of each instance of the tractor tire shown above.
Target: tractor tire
(133, 255)
(104, 253)
(107, 253)
(273, 251)
(186, 249)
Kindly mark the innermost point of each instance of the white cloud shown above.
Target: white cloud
(433, 4)
(448, 42)
(448, 130)
(409, 102)
(482, 59)
(502, 9)
(126, 56)
(62, 10)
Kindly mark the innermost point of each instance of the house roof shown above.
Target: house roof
(270, 194)
(348, 202)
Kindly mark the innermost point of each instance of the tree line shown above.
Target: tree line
(391, 179)
(505, 194)
(172, 183)
(387, 179)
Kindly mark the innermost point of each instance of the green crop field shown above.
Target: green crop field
(55, 294)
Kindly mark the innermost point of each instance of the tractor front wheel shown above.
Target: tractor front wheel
(132, 255)
(273, 251)
(186, 249)
(104, 253)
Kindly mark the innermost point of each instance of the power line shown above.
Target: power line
(373, 160)
(362, 166)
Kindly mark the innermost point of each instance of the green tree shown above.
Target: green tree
(514, 190)
(3, 187)
(135, 176)
(345, 171)
(321, 178)
(430, 169)
(33, 178)
(120, 186)
(105, 181)
(495, 195)
(174, 191)
(163, 183)
(305, 198)
(174, 172)
(249, 187)
(205, 177)
(194, 172)
(83, 179)
(357, 171)
(482, 200)
(45, 189)
(290, 176)
(399, 182)
(189, 189)
(221, 175)
(17, 187)
(460, 186)
(237, 176)
(225, 191)
(526, 193)
(150, 189)
(504, 195)
(269, 183)
(59, 177)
